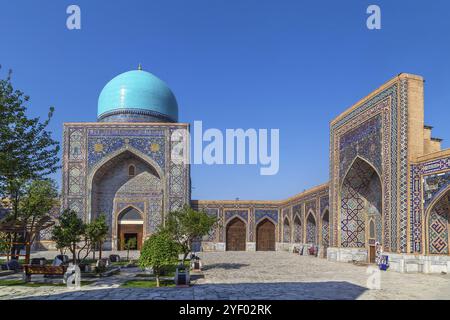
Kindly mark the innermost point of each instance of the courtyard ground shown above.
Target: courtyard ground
(256, 275)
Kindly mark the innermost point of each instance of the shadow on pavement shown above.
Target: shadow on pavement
(329, 290)
(226, 266)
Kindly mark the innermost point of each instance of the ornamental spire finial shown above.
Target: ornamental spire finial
(140, 67)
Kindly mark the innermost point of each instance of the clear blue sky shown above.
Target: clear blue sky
(292, 65)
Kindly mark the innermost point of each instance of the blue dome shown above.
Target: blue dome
(140, 93)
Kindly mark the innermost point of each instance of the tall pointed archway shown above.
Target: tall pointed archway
(361, 203)
(311, 229)
(286, 230)
(298, 231)
(124, 180)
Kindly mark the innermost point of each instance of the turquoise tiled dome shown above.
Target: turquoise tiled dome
(140, 93)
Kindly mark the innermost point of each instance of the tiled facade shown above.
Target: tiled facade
(96, 160)
(389, 184)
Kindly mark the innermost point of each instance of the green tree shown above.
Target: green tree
(27, 151)
(128, 245)
(69, 232)
(39, 198)
(5, 244)
(158, 251)
(187, 225)
(96, 232)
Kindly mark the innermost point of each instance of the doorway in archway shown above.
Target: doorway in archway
(265, 236)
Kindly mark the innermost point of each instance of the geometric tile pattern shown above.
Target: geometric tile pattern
(76, 145)
(261, 214)
(426, 184)
(286, 230)
(88, 146)
(385, 116)
(324, 202)
(298, 230)
(403, 171)
(325, 230)
(100, 146)
(211, 236)
(229, 214)
(433, 185)
(438, 226)
(359, 192)
(311, 232)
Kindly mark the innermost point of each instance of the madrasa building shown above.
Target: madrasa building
(388, 188)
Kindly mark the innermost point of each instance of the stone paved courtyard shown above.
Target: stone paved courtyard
(258, 275)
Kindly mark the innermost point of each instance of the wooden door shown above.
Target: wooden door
(265, 236)
(236, 235)
(371, 254)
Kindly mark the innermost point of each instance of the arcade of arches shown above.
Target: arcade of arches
(387, 191)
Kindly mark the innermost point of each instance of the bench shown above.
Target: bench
(45, 270)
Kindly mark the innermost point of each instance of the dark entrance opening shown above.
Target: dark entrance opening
(128, 236)
(130, 225)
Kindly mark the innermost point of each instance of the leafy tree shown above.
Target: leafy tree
(5, 244)
(128, 245)
(69, 232)
(27, 150)
(96, 232)
(187, 225)
(158, 251)
(39, 198)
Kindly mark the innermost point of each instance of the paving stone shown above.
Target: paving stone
(256, 275)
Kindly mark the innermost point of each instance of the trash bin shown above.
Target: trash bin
(182, 276)
(384, 263)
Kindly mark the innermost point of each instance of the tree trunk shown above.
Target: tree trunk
(13, 245)
(157, 278)
(184, 257)
(74, 256)
(27, 248)
(100, 250)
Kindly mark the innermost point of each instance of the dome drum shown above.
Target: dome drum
(133, 115)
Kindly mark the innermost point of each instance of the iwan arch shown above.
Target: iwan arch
(389, 179)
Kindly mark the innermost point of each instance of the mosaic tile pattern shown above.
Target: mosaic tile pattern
(212, 235)
(76, 145)
(229, 214)
(87, 146)
(403, 172)
(260, 214)
(99, 147)
(324, 203)
(361, 186)
(389, 106)
(363, 141)
(326, 229)
(298, 230)
(286, 230)
(438, 226)
(435, 187)
(311, 232)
